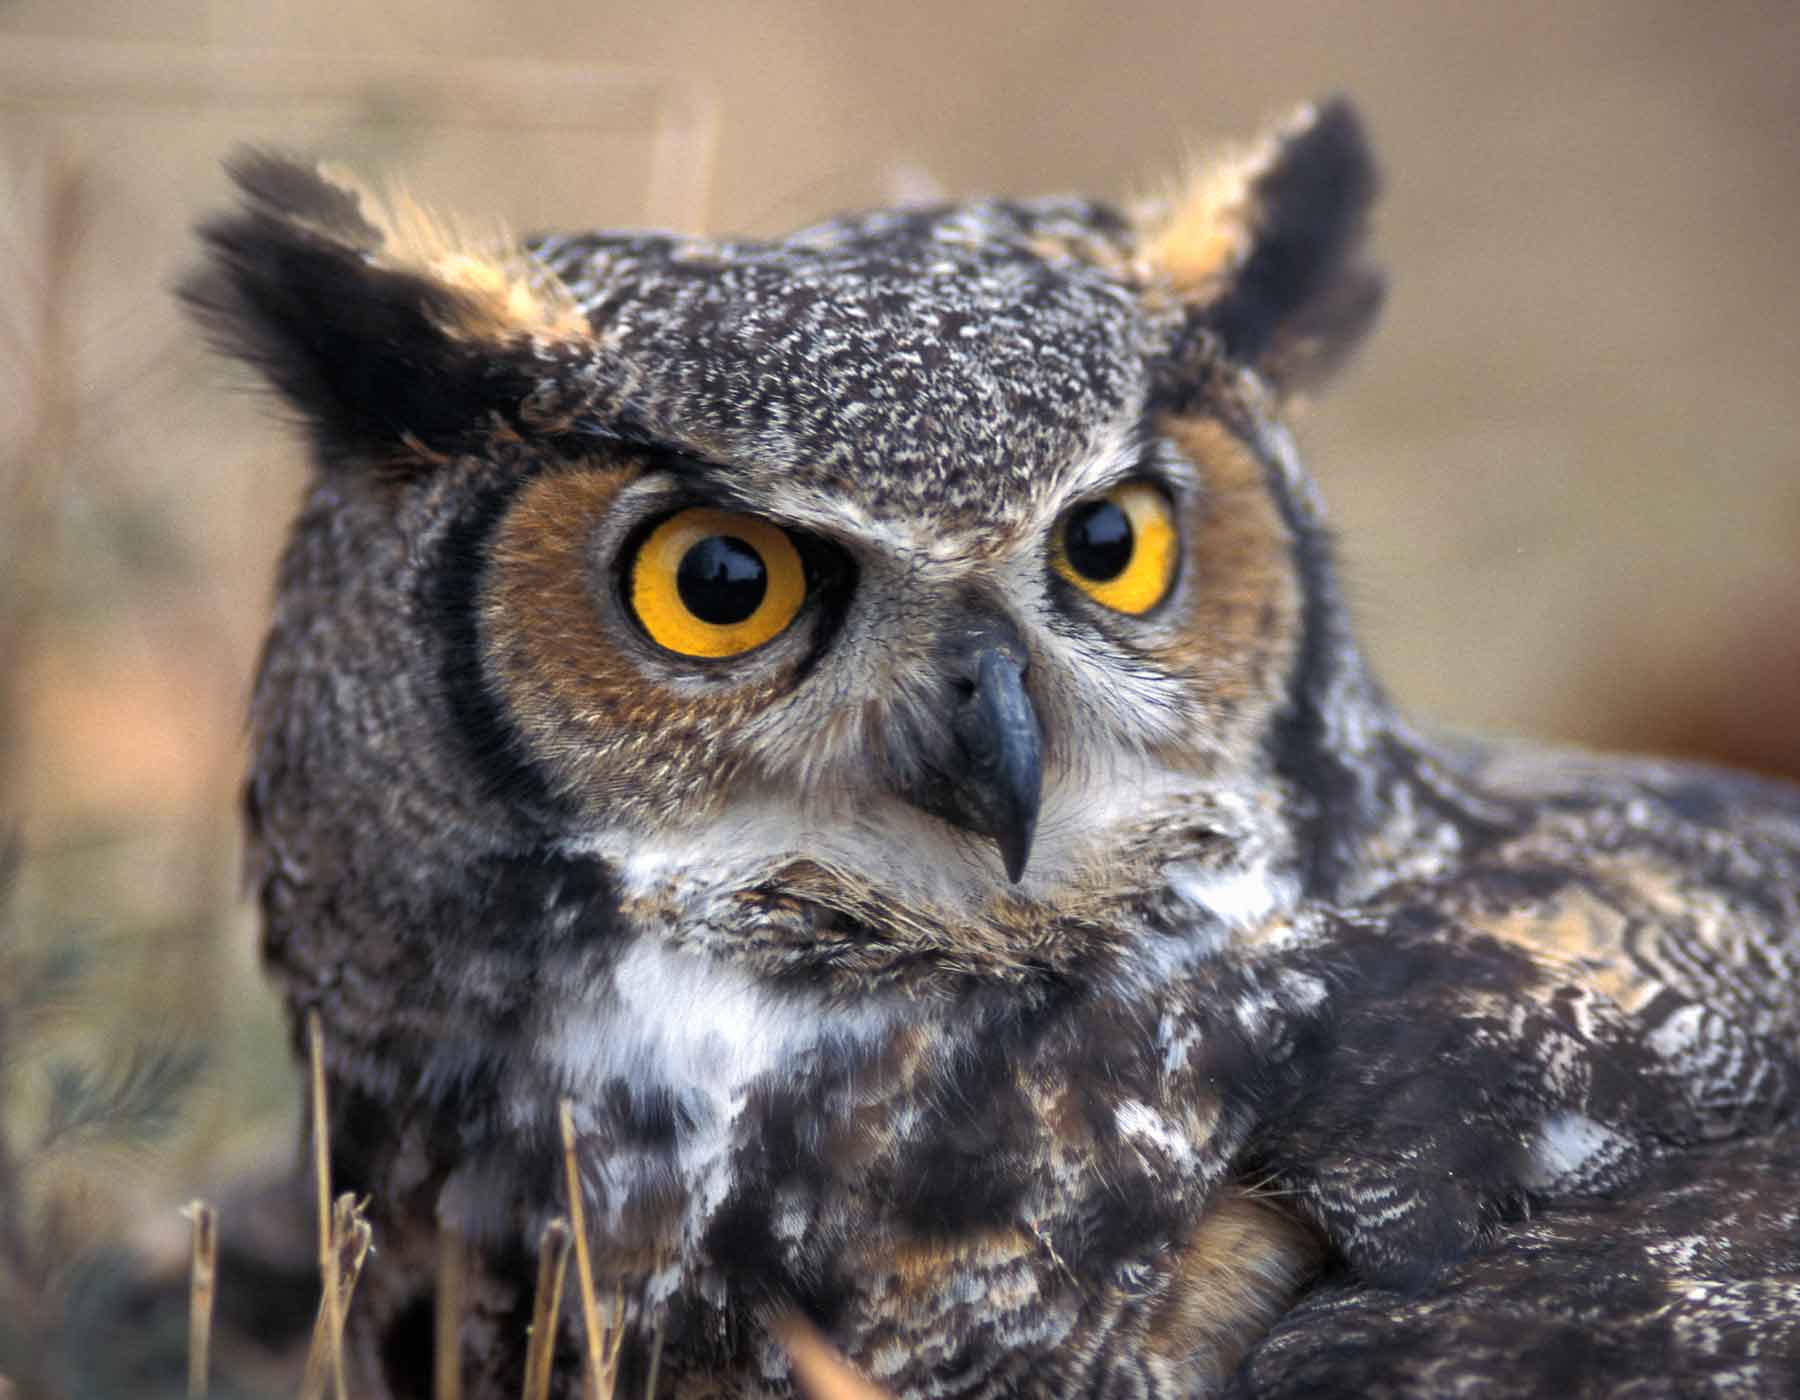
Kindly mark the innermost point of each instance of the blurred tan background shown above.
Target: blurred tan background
(1566, 471)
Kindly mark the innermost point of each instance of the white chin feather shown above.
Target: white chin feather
(892, 850)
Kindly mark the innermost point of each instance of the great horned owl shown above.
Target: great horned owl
(868, 718)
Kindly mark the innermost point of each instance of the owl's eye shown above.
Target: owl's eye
(1121, 548)
(715, 583)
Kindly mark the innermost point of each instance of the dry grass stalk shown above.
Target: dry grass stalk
(39, 370)
(600, 1349)
(819, 1372)
(333, 1304)
(448, 1354)
(612, 1343)
(546, 1307)
(656, 1346)
(351, 1236)
(203, 1272)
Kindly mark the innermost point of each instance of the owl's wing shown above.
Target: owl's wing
(1687, 1283)
(1604, 973)
(1549, 1130)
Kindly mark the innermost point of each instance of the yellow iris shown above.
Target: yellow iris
(1121, 548)
(715, 583)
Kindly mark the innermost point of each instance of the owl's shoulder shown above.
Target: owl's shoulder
(1508, 827)
(1702, 796)
(1655, 884)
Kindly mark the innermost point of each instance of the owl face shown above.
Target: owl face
(890, 582)
(704, 658)
(925, 623)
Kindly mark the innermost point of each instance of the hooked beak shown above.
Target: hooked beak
(992, 780)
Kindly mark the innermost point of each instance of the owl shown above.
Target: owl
(868, 720)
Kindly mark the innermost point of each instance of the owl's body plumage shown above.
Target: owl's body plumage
(1037, 959)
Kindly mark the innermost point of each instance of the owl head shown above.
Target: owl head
(922, 590)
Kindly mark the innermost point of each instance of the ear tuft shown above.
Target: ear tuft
(1266, 246)
(382, 326)
(505, 292)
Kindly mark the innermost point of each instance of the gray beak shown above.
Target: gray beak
(991, 780)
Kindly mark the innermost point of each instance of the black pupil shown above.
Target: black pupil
(1098, 541)
(721, 580)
